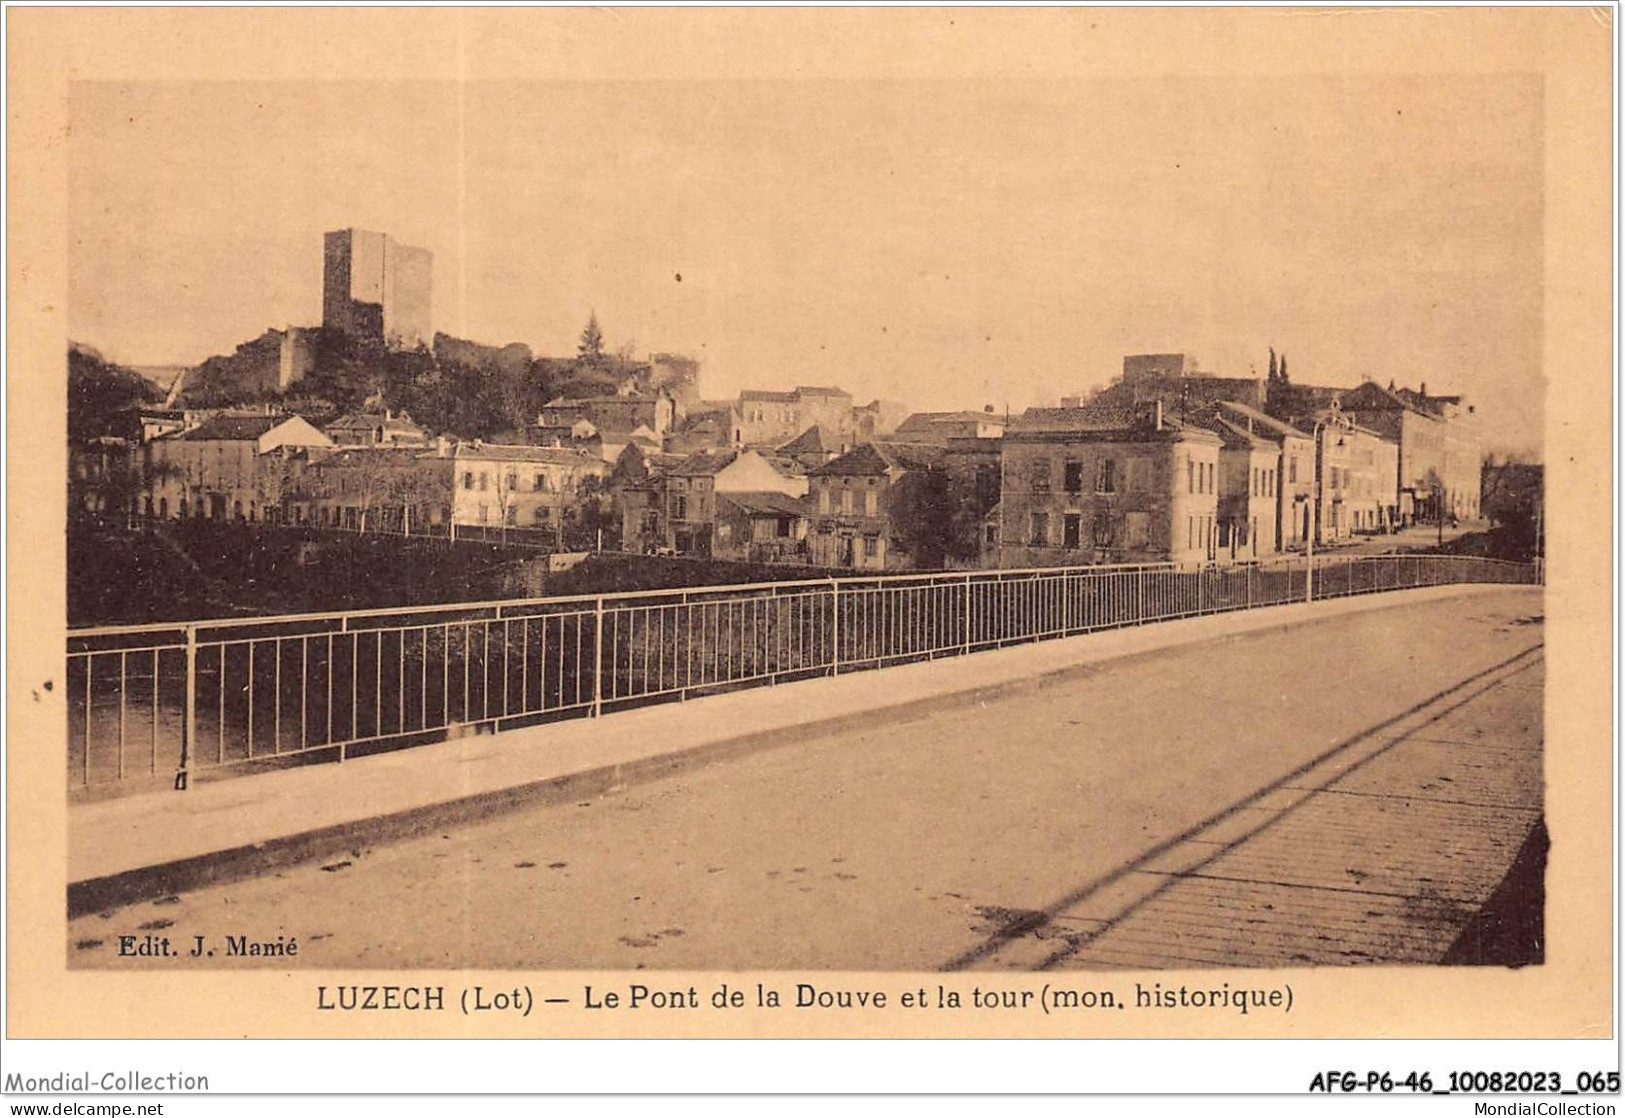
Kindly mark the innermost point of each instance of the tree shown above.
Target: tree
(591, 348)
(1284, 378)
(1275, 372)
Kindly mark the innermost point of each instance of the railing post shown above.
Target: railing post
(1250, 587)
(189, 727)
(1309, 579)
(967, 613)
(835, 627)
(1139, 597)
(598, 658)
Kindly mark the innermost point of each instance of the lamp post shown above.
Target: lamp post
(1314, 506)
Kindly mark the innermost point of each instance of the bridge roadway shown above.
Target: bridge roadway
(1349, 791)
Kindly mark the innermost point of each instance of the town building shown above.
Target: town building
(375, 288)
(773, 418)
(533, 487)
(712, 424)
(940, 426)
(814, 446)
(1107, 485)
(398, 490)
(381, 428)
(1355, 472)
(675, 509)
(1294, 470)
(765, 527)
(615, 419)
(230, 466)
(1249, 466)
(868, 506)
(878, 419)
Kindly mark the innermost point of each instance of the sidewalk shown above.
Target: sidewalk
(149, 845)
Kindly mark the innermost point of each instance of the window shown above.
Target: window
(991, 534)
(485, 481)
(511, 481)
(1040, 529)
(846, 502)
(1209, 467)
(484, 515)
(1103, 530)
(511, 516)
(1190, 532)
(1072, 477)
(1258, 482)
(541, 514)
(468, 479)
(1292, 468)
(784, 527)
(871, 546)
(823, 497)
(679, 506)
(540, 484)
(1136, 475)
(1190, 475)
(1137, 530)
(1041, 475)
(1070, 530)
(1106, 476)
(871, 503)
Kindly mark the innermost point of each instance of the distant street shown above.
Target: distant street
(922, 845)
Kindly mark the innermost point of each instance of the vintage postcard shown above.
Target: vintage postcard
(819, 523)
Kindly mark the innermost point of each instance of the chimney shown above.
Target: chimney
(1422, 389)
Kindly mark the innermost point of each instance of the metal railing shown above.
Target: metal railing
(169, 703)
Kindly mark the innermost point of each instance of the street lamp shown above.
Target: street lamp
(1314, 503)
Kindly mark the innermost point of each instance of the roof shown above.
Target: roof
(810, 441)
(1235, 436)
(508, 452)
(766, 503)
(703, 463)
(1261, 419)
(762, 394)
(921, 422)
(1105, 421)
(820, 390)
(1095, 417)
(361, 420)
(881, 457)
(239, 428)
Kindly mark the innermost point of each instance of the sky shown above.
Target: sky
(943, 243)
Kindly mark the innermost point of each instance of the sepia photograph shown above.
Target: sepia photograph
(1075, 535)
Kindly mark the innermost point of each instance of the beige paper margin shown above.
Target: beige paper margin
(1570, 996)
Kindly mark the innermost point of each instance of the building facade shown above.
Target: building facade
(535, 487)
(1294, 470)
(228, 467)
(861, 503)
(1104, 485)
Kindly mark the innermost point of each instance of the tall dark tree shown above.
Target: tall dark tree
(592, 340)
(1274, 371)
(1284, 378)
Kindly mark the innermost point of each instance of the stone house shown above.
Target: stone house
(1097, 484)
(230, 466)
(859, 501)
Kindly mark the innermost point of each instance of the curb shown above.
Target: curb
(239, 863)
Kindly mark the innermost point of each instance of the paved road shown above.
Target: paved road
(913, 846)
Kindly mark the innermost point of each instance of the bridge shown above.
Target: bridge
(1039, 803)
